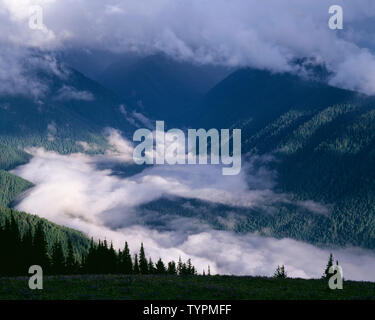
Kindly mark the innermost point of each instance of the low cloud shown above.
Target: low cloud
(121, 149)
(137, 119)
(314, 207)
(19, 69)
(104, 205)
(70, 93)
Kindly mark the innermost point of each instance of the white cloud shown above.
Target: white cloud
(144, 121)
(105, 206)
(243, 33)
(121, 149)
(18, 71)
(135, 118)
(70, 93)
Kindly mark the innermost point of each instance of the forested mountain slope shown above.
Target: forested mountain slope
(324, 157)
(321, 139)
(323, 144)
(328, 156)
(73, 109)
(10, 187)
(53, 232)
(256, 97)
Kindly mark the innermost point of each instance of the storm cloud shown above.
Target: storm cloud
(261, 34)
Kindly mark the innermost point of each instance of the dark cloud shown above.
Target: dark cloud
(267, 34)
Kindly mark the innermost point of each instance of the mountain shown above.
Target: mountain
(68, 116)
(255, 97)
(74, 109)
(321, 138)
(323, 144)
(162, 88)
(327, 156)
(91, 62)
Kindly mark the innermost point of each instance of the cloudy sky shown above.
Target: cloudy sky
(263, 34)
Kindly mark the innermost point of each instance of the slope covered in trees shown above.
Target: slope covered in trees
(324, 155)
(10, 187)
(321, 137)
(327, 156)
(23, 245)
(27, 224)
(323, 144)
(11, 156)
(254, 98)
(71, 109)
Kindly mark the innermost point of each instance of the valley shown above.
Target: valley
(307, 154)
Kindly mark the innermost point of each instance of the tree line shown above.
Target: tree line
(20, 251)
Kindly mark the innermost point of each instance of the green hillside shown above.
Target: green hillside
(53, 232)
(327, 155)
(74, 109)
(11, 156)
(10, 187)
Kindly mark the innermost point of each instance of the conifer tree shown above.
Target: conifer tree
(58, 259)
(160, 267)
(143, 265)
(127, 264)
(40, 254)
(172, 270)
(89, 260)
(326, 274)
(14, 245)
(71, 264)
(190, 268)
(136, 265)
(27, 250)
(179, 266)
(280, 272)
(151, 268)
(18, 253)
(112, 259)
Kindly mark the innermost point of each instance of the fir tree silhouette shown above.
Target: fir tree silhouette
(136, 265)
(58, 259)
(40, 253)
(143, 265)
(326, 274)
(160, 267)
(71, 264)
